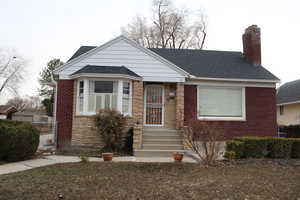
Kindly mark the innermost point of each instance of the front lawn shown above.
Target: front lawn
(260, 179)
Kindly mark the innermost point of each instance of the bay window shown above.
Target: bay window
(103, 94)
(221, 103)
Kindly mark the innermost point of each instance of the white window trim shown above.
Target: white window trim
(243, 118)
(86, 95)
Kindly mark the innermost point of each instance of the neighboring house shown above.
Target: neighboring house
(159, 88)
(6, 111)
(288, 103)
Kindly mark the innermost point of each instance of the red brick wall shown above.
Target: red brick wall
(260, 113)
(64, 112)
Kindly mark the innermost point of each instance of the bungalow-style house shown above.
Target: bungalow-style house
(161, 88)
(6, 111)
(288, 103)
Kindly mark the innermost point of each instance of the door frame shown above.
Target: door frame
(163, 105)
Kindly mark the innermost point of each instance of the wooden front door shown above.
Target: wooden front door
(154, 105)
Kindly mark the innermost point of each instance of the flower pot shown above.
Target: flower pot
(177, 157)
(107, 156)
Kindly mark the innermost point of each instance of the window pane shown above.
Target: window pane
(80, 96)
(103, 87)
(220, 102)
(114, 101)
(125, 108)
(126, 88)
(107, 103)
(98, 102)
(91, 106)
(80, 104)
(102, 94)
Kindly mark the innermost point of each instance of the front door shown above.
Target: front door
(154, 105)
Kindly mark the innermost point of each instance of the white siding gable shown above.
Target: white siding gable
(121, 52)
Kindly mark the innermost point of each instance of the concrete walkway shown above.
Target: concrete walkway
(55, 159)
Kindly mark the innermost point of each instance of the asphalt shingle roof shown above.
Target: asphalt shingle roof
(106, 70)
(209, 64)
(289, 92)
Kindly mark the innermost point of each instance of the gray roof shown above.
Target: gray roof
(289, 92)
(82, 50)
(209, 64)
(90, 69)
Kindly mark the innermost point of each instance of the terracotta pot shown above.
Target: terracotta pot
(107, 156)
(177, 157)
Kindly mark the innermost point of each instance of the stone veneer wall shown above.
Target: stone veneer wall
(169, 106)
(137, 113)
(179, 105)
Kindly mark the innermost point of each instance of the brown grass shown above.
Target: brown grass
(259, 179)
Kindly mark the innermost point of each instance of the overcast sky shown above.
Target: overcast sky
(43, 30)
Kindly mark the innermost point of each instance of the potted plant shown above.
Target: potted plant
(107, 156)
(177, 156)
(111, 125)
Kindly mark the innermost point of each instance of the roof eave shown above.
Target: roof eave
(236, 79)
(288, 103)
(102, 75)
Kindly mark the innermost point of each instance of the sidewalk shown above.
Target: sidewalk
(55, 159)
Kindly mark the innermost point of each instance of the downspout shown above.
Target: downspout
(54, 122)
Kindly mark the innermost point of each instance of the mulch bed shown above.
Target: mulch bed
(250, 179)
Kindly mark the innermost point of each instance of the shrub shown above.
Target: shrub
(128, 146)
(292, 131)
(204, 139)
(295, 152)
(111, 126)
(18, 140)
(279, 147)
(235, 146)
(230, 155)
(254, 147)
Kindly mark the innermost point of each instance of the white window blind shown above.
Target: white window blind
(220, 102)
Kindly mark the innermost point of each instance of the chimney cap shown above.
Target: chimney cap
(252, 28)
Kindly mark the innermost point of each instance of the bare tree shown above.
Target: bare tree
(12, 69)
(205, 139)
(169, 28)
(29, 103)
(18, 102)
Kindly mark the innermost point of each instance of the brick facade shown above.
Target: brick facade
(64, 112)
(260, 113)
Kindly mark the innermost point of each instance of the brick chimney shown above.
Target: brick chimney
(251, 45)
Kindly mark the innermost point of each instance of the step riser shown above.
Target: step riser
(152, 147)
(162, 142)
(165, 137)
(160, 133)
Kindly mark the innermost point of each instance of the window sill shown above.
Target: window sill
(222, 118)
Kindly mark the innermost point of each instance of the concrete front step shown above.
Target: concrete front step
(161, 137)
(163, 146)
(161, 131)
(162, 141)
(155, 153)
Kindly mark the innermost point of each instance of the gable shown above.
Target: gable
(122, 52)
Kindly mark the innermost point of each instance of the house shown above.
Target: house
(6, 111)
(288, 103)
(159, 88)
